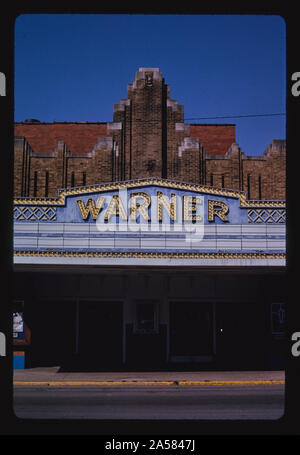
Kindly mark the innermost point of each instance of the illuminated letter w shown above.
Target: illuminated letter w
(90, 207)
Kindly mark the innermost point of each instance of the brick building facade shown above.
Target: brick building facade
(147, 138)
(139, 288)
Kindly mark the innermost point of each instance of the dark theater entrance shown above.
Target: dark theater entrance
(191, 331)
(125, 320)
(100, 334)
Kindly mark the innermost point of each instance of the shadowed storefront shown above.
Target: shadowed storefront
(103, 322)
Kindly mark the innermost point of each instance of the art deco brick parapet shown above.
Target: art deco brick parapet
(148, 136)
(264, 176)
(182, 127)
(144, 73)
(173, 104)
(80, 137)
(234, 150)
(188, 143)
(275, 145)
(19, 142)
(114, 126)
(122, 105)
(215, 138)
(103, 143)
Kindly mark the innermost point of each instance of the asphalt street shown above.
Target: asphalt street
(150, 402)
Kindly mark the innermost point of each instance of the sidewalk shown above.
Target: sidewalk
(52, 376)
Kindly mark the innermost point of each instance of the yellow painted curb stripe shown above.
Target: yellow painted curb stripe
(253, 382)
(146, 383)
(99, 383)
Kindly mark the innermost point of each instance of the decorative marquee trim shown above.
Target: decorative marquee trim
(60, 200)
(101, 254)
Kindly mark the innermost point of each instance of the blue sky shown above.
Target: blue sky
(75, 67)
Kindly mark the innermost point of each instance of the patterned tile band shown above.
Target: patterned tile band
(34, 213)
(266, 216)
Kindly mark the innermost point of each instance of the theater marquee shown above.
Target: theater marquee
(149, 218)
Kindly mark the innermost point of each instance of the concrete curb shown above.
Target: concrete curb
(148, 383)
